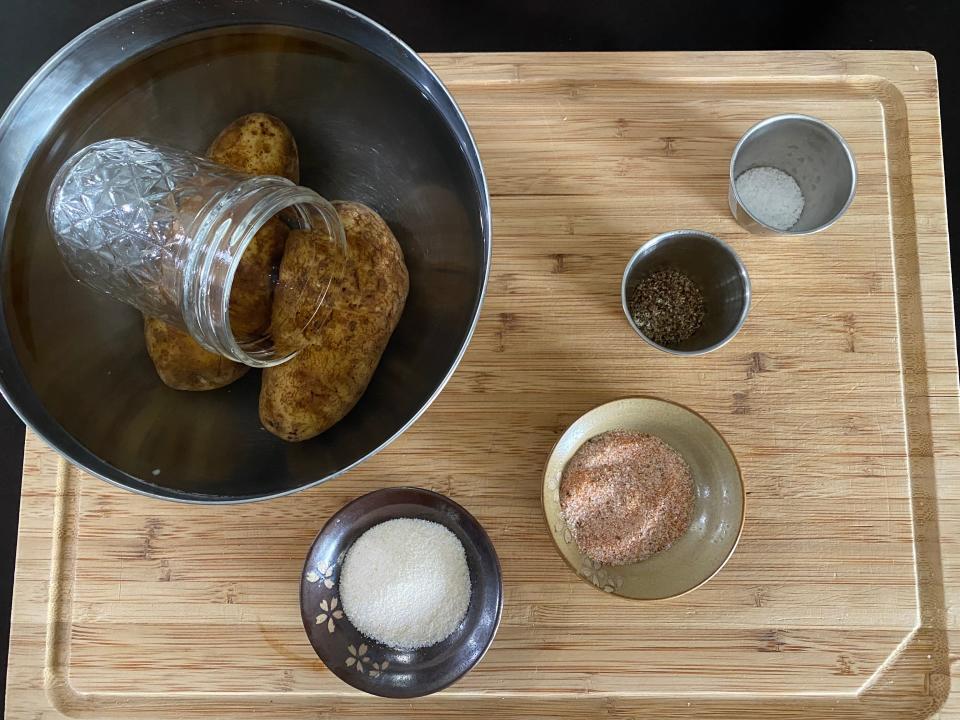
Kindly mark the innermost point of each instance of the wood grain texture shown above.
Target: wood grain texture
(839, 398)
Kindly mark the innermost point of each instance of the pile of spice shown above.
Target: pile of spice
(626, 496)
(405, 583)
(771, 195)
(667, 307)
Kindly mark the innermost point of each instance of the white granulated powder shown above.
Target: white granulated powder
(405, 583)
(772, 196)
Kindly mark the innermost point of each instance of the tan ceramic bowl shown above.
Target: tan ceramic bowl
(718, 500)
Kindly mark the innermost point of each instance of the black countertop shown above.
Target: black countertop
(32, 31)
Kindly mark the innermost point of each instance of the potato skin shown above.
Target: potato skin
(252, 294)
(182, 363)
(258, 144)
(310, 393)
(309, 262)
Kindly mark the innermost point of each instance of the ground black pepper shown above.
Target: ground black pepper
(667, 306)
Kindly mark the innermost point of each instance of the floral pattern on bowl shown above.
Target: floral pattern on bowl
(330, 613)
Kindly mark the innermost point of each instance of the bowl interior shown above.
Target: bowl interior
(718, 499)
(366, 131)
(371, 666)
(716, 270)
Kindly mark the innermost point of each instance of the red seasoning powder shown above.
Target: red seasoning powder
(626, 496)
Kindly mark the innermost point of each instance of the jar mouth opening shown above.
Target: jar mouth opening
(263, 309)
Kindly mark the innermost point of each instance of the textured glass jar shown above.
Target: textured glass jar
(164, 231)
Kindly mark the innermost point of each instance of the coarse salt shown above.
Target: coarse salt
(771, 195)
(405, 583)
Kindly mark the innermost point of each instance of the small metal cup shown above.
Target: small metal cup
(811, 152)
(713, 266)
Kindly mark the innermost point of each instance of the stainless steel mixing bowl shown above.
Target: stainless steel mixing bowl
(373, 124)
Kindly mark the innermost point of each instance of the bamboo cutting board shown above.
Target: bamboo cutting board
(839, 398)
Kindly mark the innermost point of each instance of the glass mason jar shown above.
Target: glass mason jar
(165, 231)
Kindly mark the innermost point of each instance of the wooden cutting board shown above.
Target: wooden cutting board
(839, 398)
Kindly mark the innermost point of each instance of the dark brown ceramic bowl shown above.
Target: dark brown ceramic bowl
(371, 666)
